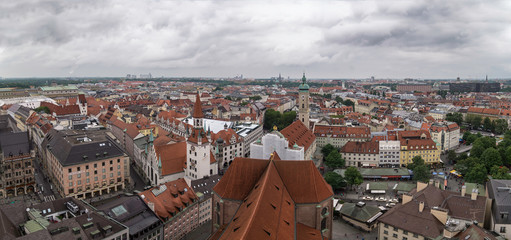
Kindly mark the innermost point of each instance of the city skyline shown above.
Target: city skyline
(327, 39)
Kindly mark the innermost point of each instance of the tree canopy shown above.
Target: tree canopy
(275, 118)
(334, 160)
(335, 180)
(420, 169)
(353, 176)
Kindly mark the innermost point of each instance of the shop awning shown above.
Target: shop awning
(378, 191)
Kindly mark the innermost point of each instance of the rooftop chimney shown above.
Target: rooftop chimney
(473, 196)
(151, 205)
(463, 190)
(421, 206)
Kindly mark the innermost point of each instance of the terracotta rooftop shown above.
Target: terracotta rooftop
(361, 147)
(172, 197)
(269, 191)
(298, 133)
(172, 156)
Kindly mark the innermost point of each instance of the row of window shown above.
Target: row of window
(70, 170)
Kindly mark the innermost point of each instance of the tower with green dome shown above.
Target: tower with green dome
(303, 102)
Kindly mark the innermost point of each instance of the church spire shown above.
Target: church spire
(197, 108)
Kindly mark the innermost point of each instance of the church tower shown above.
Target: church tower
(199, 161)
(303, 102)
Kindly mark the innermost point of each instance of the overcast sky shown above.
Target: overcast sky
(225, 38)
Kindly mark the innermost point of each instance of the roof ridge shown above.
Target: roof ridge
(257, 200)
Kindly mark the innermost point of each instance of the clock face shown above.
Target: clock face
(193, 148)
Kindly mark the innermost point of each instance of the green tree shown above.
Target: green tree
(486, 142)
(507, 160)
(42, 109)
(466, 135)
(420, 169)
(500, 173)
(255, 98)
(463, 166)
(455, 117)
(500, 126)
(488, 124)
(476, 122)
(477, 150)
(477, 174)
(327, 149)
(349, 103)
(287, 119)
(334, 160)
(271, 118)
(353, 176)
(451, 156)
(491, 157)
(335, 180)
(339, 99)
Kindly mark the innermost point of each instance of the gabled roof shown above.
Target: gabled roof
(298, 133)
(61, 110)
(269, 190)
(267, 212)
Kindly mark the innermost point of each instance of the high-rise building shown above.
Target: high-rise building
(303, 102)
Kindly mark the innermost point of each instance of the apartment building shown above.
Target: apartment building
(361, 154)
(16, 162)
(176, 204)
(431, 213)
(390, 153)
(85, 163)
(337, 136)
(446, 134)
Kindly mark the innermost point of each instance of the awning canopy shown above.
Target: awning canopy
(378, 191)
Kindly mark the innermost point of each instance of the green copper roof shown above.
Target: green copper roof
(304, 85)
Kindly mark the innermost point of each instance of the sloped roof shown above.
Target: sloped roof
(173, 157)
(197, 108)
(61, 110)
(360, 213)
(166, 203)
(303, 181)
(267, 212)
(240, 177)
(298, 133)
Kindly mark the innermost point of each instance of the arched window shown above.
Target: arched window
(218, 207)
(323, 224)
(218, 218)
(324, 211)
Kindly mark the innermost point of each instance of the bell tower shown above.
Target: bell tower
(303, 102)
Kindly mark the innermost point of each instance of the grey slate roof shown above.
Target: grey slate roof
(500, 193)
(69, 146)
(137, 217)
(14, 144)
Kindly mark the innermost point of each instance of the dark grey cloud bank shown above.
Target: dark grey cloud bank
(424, 39)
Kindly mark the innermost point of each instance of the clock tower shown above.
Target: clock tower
(303, 102)
(199, 160)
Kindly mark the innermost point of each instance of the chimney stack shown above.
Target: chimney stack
(421, 206)
(463, 190)
(474, 194)
(151, 205)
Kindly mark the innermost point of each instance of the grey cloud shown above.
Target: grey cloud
(203, 37)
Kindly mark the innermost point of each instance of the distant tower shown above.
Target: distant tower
(303, 102)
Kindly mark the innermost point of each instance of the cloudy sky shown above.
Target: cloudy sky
(225, 38)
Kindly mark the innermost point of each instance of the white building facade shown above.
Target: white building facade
(275, 142)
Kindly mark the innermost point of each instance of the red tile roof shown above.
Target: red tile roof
(269, 191)
(172, 156)
(361, 147)
(298, 133)
(61, 110)
(176, 196)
